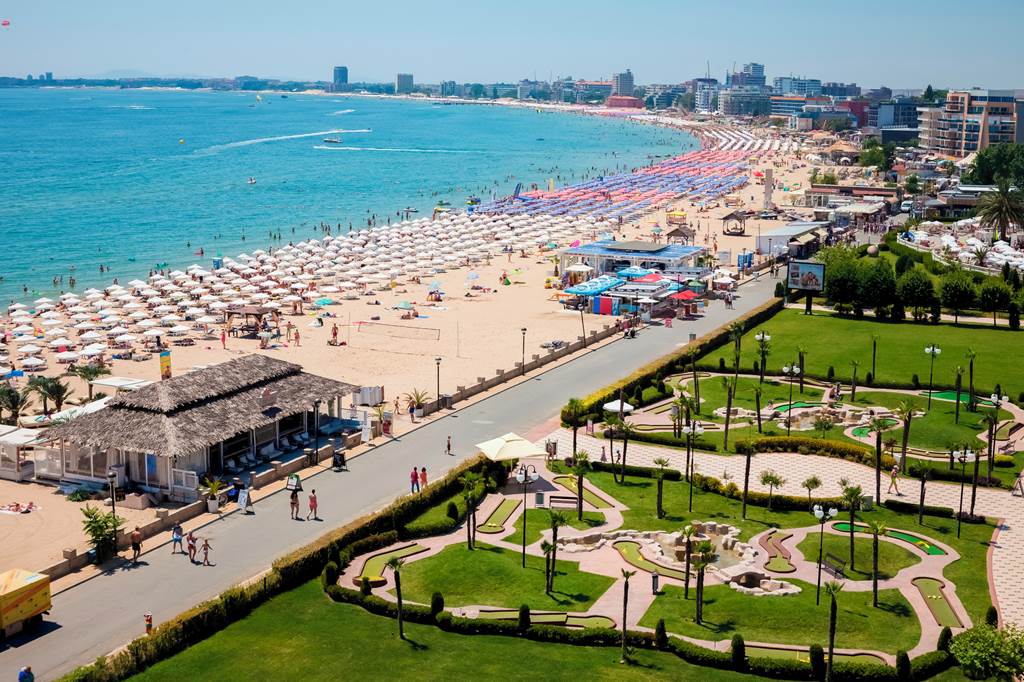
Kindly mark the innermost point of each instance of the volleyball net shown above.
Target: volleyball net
(398, 331)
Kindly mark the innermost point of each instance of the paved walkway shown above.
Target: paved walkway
(1006, 551)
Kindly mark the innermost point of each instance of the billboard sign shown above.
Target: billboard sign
(806, 275)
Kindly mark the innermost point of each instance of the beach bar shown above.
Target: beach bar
(609, 256)
(165, 437)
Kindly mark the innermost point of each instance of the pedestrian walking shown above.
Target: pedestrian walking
(176, 536)
(448, 447)
(894, 479)
(26, 674)
(206, 551)
(190, 542)
(414, 481)
(312, 506)
(295, 504)
(136, 538)
(423, 477)
(223, 339)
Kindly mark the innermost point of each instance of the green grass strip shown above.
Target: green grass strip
(630, 551)
(803, 655)
(590, 496)
(780, 564)
(590, 622)
(931, 590)
(373, 567)
(917, 541)
(495, 523)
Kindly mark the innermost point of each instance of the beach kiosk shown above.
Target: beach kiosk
(24, 598)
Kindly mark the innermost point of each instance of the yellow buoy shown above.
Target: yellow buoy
(181, 140)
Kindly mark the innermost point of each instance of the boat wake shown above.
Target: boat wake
(341, 112)
(260, 140)
(405, 150)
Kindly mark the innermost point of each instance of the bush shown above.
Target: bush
(1004, 461)
(915, 381)
(738, 650)
(365, 588)
(524, 617)
(903, 670)
(954, 475)
(436, 603)
(721, 364)
(780, 290)
(869, 379)
(944, 636)
(817, 659)
(929, 665)
(330, 575)
(831, 373)
(633, 470)
(452, 511)
(666, 438)
(660, 635)
(992, 616)
(1013, 315)
(984, 651)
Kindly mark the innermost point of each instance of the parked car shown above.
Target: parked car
(907, 206)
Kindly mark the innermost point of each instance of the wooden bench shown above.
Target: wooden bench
(562, 501)
(835, 566)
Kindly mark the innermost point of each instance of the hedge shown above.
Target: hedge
(931, 664)
(633, 470)
(929, 510)
(813, 446)
(679, 360)
(759, 499)
(954, 475)
(663, 438)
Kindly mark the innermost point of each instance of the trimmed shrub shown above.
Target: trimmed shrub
(633, 470)
(1013, 315)
(780, 290)
(903, 670)
(666, 438)
(660, 635)
(851, 671)
(721, 364)
(1004, 461)
(817, 659)
(944, 636)
(365, 588)
(738, 650)
(524, 617)
(330, 574)
(929, 665)
(869, 379)
(831, 373)
(452, 511)
(915, 381)
(954, 475)
(436, 603)
(992, 616)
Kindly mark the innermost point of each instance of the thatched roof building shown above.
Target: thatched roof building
(212, 419)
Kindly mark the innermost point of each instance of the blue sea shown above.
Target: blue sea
(133, 180)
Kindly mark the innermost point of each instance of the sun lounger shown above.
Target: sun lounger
(269, 452)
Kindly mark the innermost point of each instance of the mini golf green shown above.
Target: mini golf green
(919, 542)
(546, 618)
(796, 405)
(942, 612)
(630, 551)
(495, 523)
(590, 622)
(951, 397)
(803, 655)
(865, 431)
(373, 567)
(779, 564)
(589, 495)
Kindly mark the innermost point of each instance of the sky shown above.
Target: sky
(900, 44)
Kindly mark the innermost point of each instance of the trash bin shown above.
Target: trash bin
(867, 502)
(445, 401)
(538, 499)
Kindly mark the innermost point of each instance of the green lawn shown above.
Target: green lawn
(969, 573)
(301, 635)
(792, 619)
(834, 341)
(712, 393)
(891, 558)
(540, 519)
(494, 576)
(438, 513)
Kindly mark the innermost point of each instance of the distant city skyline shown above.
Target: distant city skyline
(902, 45)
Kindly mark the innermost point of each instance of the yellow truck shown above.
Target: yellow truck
(24, 597)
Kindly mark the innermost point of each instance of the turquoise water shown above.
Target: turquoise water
(95, 177)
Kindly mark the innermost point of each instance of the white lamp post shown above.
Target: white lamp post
(823, 517)
(933, 351)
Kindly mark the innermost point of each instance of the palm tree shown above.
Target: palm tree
(626, 430)
(396, 564)
(89, 373)
(747, 455)
(905, 413)
(801, 352)
(736, 334)
(757, 405)
(557, 521)
(851, 498)
(416, 399)
(56, 391)
(682, 407)
(877, 528)
(546, 547)
(688, 531)
(1002, 208)
(832, 589)
(773, 481)
(811, 484)
(580, 465)
(729, 388)
(823, 424)
(659, 474)
(853, 380)
(470, 481)
(971, 354)
(705, 555)
(573, 414)
(626, 575)
(878, 426)
(959, 384)
(15, 402)
(696, 383)
(38, 385)
(874, 354)
(991, 421)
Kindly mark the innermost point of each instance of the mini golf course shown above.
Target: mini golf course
(547, 618)
(865, 431)
(915, 540)
(931, 590)
(495, 523)
(373, 566)
(951, 397)
(630, 551)
(589, 495)
(795, 406)
(778, 556)
(804, 655)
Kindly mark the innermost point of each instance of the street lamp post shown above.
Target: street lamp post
(523, 330)
(112, 479)
(931, 350)
(792, 372)
(316, 431)
(823, 517)
(437, 361)
(526, 475)
(691, 431)
(762, 342)
(962, 456)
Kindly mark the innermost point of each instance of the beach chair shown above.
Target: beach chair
(285, 444)
(231, 466)
(269, 452)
